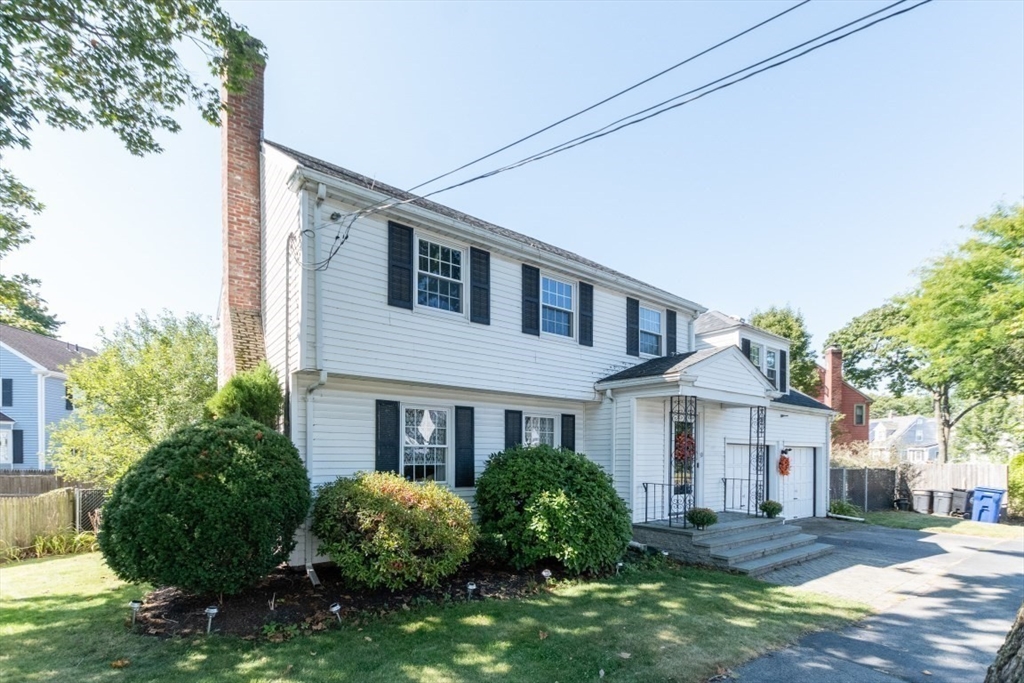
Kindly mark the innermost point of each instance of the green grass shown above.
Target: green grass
(935, 524)
(63, 619)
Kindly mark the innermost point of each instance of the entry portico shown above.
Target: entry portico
(706, 429)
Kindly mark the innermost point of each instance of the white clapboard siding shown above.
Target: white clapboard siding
(723, 372)
(650, 454)
(281, 218)
(365, 337)
(623, 449)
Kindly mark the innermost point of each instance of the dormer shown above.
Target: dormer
(768, 352)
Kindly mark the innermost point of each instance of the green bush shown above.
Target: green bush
(211, 509)
(491, 549)
(702, 517)
(553, 504)
(1015, 486)
(841, 507)
(771, 508)
(251, 393)
(384, 531)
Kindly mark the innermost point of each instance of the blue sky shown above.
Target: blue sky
(822, 184)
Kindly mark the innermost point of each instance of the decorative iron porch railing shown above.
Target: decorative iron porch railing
(668, 503)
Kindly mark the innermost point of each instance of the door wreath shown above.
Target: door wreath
(784, 465)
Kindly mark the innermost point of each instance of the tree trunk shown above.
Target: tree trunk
(1009, 664)
(943, 426)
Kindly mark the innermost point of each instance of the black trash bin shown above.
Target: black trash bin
(962, 503)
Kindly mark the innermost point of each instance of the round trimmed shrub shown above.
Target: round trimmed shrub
(211, 509)
(553, 504)
(384, 531)
(771, 508)
(702, 518)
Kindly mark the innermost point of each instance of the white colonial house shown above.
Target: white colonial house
(417, 339)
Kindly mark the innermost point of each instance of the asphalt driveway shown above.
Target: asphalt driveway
(945, 603)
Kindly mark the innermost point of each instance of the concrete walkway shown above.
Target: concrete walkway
(944, 605)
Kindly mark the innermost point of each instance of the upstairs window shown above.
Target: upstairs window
(425, 444)
(8, 393)
(858, 414)
(755, 355)
(650, 331)
(919, 435)
(439, 281)
(539, 430)
(770, 367)
(556, 307)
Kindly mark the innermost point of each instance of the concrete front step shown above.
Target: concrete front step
(762, 548)
(716, 544)
(733, 526)
(763, 565)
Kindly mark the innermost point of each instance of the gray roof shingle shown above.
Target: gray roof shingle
(4, 418)
(322, 166)
(52, 354)
(655, 367)
(800, 400)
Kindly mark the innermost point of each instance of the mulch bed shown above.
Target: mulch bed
(287, 602)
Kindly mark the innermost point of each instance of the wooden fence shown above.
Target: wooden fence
(956, 476)
(22, 519)
(19, 484)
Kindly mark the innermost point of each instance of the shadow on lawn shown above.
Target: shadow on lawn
(672, 624)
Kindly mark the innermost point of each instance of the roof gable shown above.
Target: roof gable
(711, 362)
(44, 352)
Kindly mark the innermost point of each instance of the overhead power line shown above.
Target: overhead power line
(637, 117)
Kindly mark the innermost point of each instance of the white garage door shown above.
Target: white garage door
(798, 487)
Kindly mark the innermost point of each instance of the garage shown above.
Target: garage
(797, 489)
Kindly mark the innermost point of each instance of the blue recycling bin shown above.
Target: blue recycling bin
(986, 504)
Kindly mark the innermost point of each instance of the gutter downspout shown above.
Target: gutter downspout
(318, 311)
(693, 334)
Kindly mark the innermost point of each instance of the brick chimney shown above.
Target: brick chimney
(240, 339)
(833, 386)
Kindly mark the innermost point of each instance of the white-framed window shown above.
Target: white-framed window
(771, 370)
(539, 429)
(556, 306)
(650, 331)
(918, 435)
(439, 276)
(425, 443)
(859, 412)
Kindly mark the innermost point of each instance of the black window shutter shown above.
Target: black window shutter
(480, 286)
(18, 445)
(531, 300)
(400, 261)
(745, 347)
(569, 432)
(586, 314)
(783, 370)
(465, 449)
(670, 332)
(632, 327)
(513, 428)
(8, 393)
(389, 443)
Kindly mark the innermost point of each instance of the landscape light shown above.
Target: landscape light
(136, 605)
(211, 612)
(470, 587)
(546, 574)
(618, 566)
(335, 609)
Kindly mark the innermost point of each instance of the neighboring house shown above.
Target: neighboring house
(34, 395)
(852, 404)
(421, 340)
(912, 438)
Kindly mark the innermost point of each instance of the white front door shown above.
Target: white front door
(798, 487)
(737, 476)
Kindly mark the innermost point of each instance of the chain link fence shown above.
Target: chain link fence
(868, 488)
(89, 509)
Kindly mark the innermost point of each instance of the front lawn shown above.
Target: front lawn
(935, 524)
(63, 619)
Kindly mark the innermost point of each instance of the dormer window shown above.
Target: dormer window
(755, 355)
(439, 282)
(650, 331)
(770, 367)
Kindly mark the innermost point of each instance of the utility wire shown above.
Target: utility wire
(612, 97)
(625, 122)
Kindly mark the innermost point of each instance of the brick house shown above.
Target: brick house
(853, 405)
